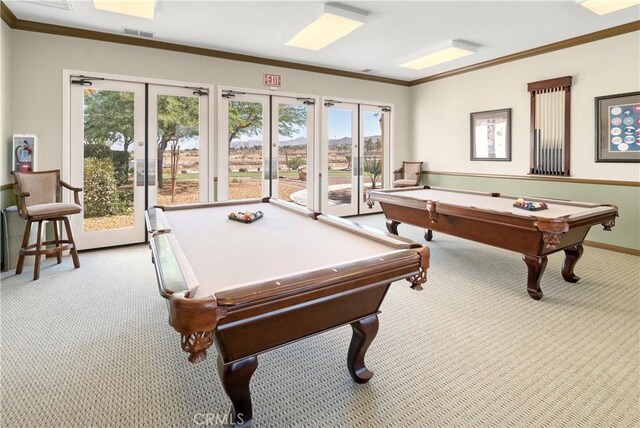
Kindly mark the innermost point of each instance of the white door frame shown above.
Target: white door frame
(221, 174)
(67, 75)
(352, 207)
(386, 153)
(205, 183)
(223, 137)
(323, 148)
(275, 134)
(107, 237)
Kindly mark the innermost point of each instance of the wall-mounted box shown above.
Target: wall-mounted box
(24, 152)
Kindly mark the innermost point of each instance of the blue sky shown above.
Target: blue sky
(340, 123)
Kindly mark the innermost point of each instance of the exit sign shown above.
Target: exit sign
(272, 79)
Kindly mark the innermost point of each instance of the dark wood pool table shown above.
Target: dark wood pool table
(289, 275)
(491, 218)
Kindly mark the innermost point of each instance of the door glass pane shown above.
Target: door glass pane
(292, 153)
(340, 134)
(178, 148)
(245, 150)
(108, 159)
(372, 152)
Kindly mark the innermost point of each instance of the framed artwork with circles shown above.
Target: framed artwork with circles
(618, 128)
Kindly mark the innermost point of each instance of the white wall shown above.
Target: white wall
(431, 120)
(5, 111)
(38, 59)
(440, 109)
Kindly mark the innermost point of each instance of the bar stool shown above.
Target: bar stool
(38, 196)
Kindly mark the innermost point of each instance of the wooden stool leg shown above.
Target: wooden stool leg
(56, 236)
(74, 252)
(36, 265)
(25, 244)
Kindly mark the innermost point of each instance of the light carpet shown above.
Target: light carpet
(92, 347)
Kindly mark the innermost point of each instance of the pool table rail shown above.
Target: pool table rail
(260, 307)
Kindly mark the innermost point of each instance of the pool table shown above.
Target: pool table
(252, 287)
(491, 218)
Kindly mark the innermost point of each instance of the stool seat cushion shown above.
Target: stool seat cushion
(55, 209)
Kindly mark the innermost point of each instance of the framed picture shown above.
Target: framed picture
(618, 128)
(491, 135)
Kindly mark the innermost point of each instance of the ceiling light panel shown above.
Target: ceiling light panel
(138, 8)
(448, 52)
(335, 22)
(602, 7)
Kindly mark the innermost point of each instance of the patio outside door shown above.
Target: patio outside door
(107, 161)
(265, 147)
(340, 153)
(178, 155)
(119, 173)
(356, 156)
(244, 169)
(375, 152)
(292, 145)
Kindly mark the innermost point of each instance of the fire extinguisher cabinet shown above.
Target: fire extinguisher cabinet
(24, 152)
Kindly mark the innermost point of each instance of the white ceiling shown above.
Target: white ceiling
(395, 32)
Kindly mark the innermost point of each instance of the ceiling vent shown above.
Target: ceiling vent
(58, 4)
(138, 33)
(367, 70)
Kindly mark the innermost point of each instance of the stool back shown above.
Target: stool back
(43, 187)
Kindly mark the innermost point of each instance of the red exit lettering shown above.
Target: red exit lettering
(272, 79)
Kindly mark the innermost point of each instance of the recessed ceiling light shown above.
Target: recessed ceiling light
(138, 8)
(602, 7)
(448, 52)
(335, 22)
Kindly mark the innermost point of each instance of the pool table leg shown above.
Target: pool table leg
(428, 235)
(572, 255)
(235, 379)
(535, 266)
(392, 226)
(364, 331)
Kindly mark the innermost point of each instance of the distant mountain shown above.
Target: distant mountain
(247, 144)
(300, 141)
(344, 141)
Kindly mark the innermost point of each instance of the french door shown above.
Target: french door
(243, 146)
(107, 159)
(265, 147)
(356, 156)
(178, 155)
(133, 145)
(292, 150)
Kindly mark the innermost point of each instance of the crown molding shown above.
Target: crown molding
(6, 15)
(563, 44)
(38, 27)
